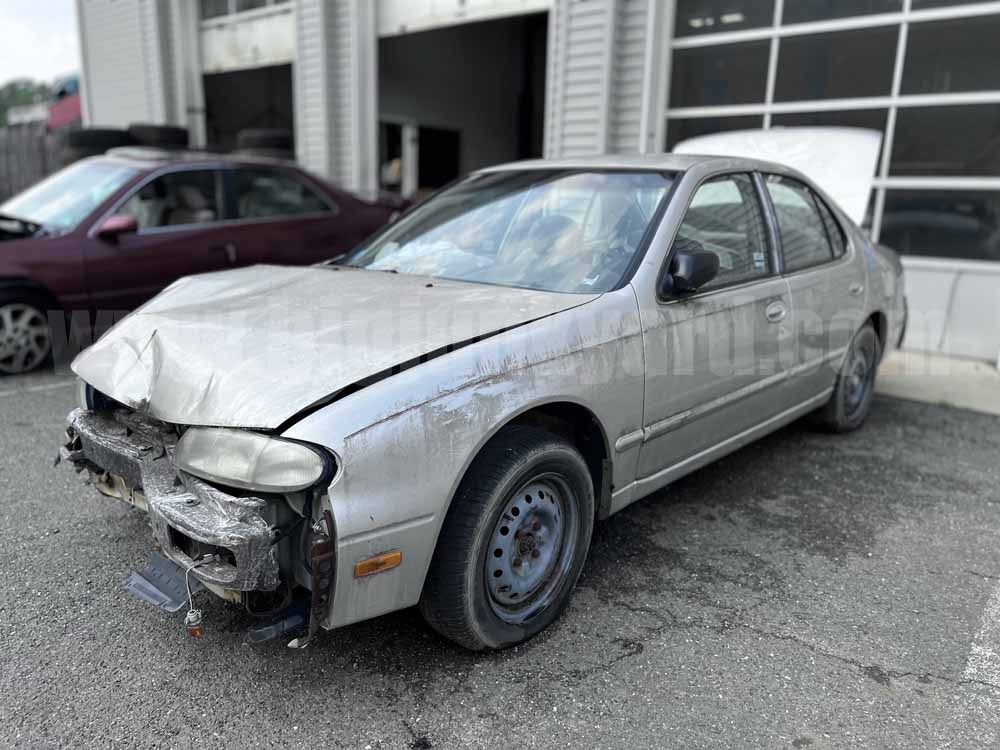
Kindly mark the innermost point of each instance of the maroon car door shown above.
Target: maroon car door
(181, 231)
(281, 217)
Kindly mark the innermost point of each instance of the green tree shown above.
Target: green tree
(21, 91)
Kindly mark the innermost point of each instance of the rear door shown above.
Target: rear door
(181, 231)
(716, 359)
(281, 217)
(826, 279)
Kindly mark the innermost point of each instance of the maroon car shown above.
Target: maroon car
(107, 233)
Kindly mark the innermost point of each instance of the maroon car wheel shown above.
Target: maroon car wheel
(25, 338)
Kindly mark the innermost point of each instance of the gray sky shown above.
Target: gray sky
(39, 39)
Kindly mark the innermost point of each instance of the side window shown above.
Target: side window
(833, 229)
(264, 193)
(176, 199)
(804, 240)
(725, 218)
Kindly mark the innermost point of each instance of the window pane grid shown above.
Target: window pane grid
(943, 86)
(916, 16)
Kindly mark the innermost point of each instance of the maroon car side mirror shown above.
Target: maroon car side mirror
(115, 226)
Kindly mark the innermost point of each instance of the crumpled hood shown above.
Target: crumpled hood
(253, 347)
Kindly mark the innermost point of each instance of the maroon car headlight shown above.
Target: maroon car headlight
(249, 460)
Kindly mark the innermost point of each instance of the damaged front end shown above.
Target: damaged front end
(243, 545)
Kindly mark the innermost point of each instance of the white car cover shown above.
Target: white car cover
(842, 161)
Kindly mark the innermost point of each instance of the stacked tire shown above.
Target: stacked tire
(273, 143)
(95, 141)
(159, 136)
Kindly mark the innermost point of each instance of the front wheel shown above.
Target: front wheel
(513, 543)
(25, 338)
(855, 387)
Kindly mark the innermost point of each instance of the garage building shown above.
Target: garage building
(408, 94)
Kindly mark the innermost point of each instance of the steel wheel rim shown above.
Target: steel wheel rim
(25, 339)
(858, 380)
(531, 548)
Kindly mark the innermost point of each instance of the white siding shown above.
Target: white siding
(626, 90)
(341, 101)
(578, 82)
(310, 82)
(335, 125)
(597, 54)
(123, 55)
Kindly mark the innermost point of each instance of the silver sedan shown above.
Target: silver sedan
(440, 417)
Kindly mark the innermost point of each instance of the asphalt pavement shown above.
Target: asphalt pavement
(811, 590)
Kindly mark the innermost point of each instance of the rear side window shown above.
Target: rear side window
(804, 238)
(725, 218)
(176, 199)
(266, 193)
(833, 229)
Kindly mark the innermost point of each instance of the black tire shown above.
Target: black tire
(267, 138)
(70, 155)
(854, 390)
(159, 136)
(457, 600)
(27, 345)
(98, 139)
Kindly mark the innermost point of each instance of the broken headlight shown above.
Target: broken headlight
(249, 460)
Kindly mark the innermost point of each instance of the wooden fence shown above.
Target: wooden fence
(27, 154)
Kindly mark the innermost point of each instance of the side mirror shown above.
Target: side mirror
(115, 226)
(691, 269)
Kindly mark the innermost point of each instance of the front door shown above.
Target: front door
(180, 233)
(716, 359)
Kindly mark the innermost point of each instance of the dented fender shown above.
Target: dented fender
(406, 441)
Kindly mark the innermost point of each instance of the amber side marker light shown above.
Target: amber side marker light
(379, 564)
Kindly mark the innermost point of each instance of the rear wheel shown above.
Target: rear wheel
(855, 387)
(513, 543)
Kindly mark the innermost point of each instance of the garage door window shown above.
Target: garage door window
(725, 218)
(265, 193)
(804, 239)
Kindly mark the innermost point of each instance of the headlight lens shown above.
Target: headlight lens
(248, 460)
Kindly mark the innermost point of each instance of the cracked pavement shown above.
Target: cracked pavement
(810, 590)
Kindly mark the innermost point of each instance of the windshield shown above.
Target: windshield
(559, 231)
(66, 198)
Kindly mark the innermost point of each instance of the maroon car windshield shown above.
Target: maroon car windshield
(66, 198)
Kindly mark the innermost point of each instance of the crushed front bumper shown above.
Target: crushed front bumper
(130, 457)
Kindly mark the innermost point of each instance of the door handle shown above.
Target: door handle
(856, 289)
(229, 249)
(776, 312)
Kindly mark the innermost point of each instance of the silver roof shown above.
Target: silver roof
(664, 162)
